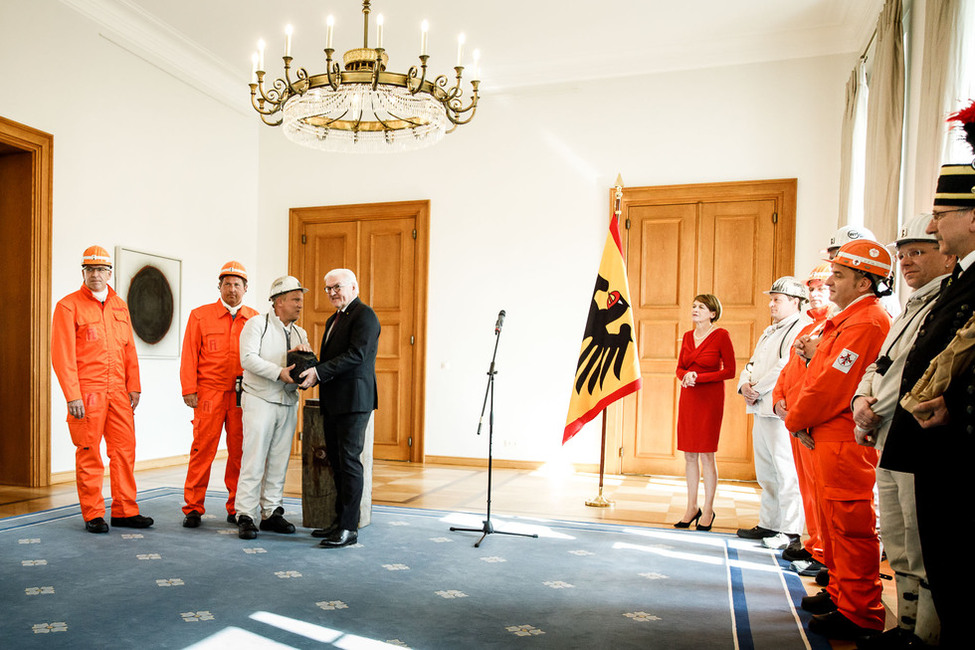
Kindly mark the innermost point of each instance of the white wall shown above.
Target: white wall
(519, 204)
(140, 160)
(519, 214)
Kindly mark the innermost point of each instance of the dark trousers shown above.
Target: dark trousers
(344, 436)
(939, 491)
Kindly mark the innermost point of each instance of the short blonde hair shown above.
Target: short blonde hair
(710, 301)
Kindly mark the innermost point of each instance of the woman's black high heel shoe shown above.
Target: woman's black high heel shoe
(687, 524)
(701, 526)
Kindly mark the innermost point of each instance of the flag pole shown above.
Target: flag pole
(600, 501)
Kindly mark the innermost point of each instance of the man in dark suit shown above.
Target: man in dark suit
(939, 451)
(348, 396)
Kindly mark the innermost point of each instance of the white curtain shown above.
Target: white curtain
(940, 63)
(885, 125)
(961, 77)
(852, 148)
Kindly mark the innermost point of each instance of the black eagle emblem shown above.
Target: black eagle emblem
(604, 350)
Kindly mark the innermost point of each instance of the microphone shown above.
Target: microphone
(497, 326)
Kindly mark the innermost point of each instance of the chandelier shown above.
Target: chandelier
(360, 106)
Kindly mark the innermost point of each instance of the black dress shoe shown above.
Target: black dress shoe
(246, 528)
(820, 603)
(276, 523)
(192, 519)
(896, 638)
(135, 521)
(687, 524)
(836, 626)
(702, 527)
(324, 532)
(340, 538)
(231, 518)
(795, 551)
(96, 525)
(756, 533)
(822, 578)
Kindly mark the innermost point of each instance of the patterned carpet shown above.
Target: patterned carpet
(410, 582)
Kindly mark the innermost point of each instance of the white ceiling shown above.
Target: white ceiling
(521, 41)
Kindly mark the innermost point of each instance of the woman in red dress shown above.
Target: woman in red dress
(706, 360)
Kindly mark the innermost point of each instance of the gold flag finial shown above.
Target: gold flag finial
(619, 180)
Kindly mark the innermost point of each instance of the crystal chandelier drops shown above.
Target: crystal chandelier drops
(360, 106)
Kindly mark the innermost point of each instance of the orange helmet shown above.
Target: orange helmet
(819, 274)
(866, 256)
(96, 256)
(233, 267)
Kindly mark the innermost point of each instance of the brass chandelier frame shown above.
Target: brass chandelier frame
(365, 66)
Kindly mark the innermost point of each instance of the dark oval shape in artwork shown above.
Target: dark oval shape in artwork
(151, 304)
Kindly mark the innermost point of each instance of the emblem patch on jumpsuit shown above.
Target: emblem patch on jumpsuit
(846, 360)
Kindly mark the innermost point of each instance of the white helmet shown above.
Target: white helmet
(789, 286)
(914, 230)
(285, 284)
(847, 234)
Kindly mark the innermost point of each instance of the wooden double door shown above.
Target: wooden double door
(728, 239)
(384, 244)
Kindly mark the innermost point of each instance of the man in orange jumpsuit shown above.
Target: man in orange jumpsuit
(94, 357)
(850, 607)
(208, 373)
(808, 557)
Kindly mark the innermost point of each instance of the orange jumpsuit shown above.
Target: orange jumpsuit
(94, 357)
(787, 388)
(845, 471)
(209, 368)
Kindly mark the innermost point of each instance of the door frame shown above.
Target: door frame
(783, 191)
(40, 146)
(420, 212)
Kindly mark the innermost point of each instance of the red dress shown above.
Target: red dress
(702, 405)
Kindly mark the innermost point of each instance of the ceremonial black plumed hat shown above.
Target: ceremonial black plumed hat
(956, 183)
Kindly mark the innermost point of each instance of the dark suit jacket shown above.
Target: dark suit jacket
(909, 448)
(347, 362)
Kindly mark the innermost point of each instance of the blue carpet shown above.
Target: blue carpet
(410, 582)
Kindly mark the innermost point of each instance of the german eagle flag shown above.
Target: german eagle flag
(609, 366)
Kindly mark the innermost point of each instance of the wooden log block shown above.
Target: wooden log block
(317, 480)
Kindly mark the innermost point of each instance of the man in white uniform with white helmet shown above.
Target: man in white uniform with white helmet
(270, 409)
(780, 515)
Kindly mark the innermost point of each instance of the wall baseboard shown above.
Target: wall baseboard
(155, 463)
(502, 463)
(184, 459)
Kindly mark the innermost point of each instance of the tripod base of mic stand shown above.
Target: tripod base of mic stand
(488, 529)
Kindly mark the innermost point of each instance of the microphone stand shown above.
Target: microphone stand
(488, 528)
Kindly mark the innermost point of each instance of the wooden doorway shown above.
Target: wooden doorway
(385, 245)
(729, 239)
(26, 173)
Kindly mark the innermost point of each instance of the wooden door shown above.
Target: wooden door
(731, 240)
(26, 172)
(387, 261)
(382, 245)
